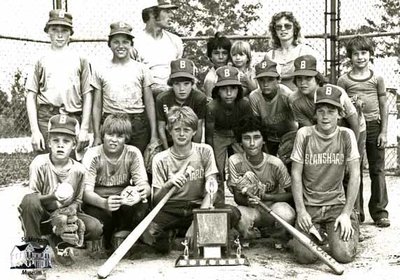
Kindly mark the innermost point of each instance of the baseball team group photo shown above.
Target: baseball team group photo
(191, 139)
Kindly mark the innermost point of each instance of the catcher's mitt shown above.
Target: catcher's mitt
(68, 226)
(249, 183)
(150, 151)
(286, 147)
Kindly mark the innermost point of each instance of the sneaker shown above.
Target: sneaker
(63, 254)
(382, 222)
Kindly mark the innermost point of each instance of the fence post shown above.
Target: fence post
(333, 38)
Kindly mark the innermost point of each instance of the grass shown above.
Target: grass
(14, 167)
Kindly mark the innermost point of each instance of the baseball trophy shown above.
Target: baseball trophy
(211, 244)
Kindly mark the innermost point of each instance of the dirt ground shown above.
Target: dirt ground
(378, 257)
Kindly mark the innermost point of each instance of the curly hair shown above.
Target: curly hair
(296, 28)
(249, 124)
(219, 41)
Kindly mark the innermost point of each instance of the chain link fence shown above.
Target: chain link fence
(22, 39)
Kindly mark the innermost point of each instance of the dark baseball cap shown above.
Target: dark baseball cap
(59, 17)
(120, 28)
(305, 65)
(227, 76)
(329, 94)
(182, 67)
(63, 124)
(162, 4)
(266, 68)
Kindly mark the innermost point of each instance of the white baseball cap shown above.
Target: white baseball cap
(162, 4)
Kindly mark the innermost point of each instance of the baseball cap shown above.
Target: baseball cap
(329, 94)
(63, 124)
(182, 68)
(120, 28)
(266, 68)
(59, 17)
(227, 76)
(162, 4)
(305, 65)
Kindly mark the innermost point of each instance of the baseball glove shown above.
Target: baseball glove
(68, 226)
(249, 183)
(150, 151)
(286, 147)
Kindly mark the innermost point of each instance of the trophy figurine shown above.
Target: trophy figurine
(239, 247)
(211, 188)
(186, 249)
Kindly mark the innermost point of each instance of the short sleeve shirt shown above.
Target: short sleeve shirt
(324, 159)
(157, 54)
(271, 172)
(196, 100)
(276, 114)
(61, 78)
(368, 90)
(201, 159)
(122, 86)
(44, 178)
(108, 177)
(304, 107)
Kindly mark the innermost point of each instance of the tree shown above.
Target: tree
(390, 21)
(204, 18)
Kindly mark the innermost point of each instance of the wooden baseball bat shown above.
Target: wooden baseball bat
(303, 239)
(120, 252)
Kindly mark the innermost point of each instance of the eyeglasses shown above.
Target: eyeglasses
(287, 26)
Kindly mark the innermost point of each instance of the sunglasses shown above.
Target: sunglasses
(287, 26)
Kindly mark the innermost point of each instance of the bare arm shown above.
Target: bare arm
(354, 124)
(199, 132)
(38, 143)
(97, 113)
(83, 140)
(151, 113)
(384, 121)
(162, 134)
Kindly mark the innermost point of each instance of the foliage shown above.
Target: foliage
(4, 104)
(229, 17)
(390, 21)
(15, 111)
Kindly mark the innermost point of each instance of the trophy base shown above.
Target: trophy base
(232, 261)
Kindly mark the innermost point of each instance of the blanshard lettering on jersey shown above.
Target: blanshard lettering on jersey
(324, 158)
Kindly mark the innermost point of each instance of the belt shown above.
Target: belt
(58, 110)
(138, 116)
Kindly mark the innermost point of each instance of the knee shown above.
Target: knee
(285, 211)
(302, 254)
(235, 215)
(94, 229)
(31, 204)
(343, 255)
(151, 233)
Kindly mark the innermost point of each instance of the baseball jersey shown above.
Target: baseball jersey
(61, 78)
(44, 178)
(167, 163)
(271, 172)
(109, 177)
(304, 107)
(196, 100)
(276, 114)
(324, 159)
(122, 86)
(227, 118)
(368, 90)
(157, 54)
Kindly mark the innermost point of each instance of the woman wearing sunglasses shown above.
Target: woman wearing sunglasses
(286, 46)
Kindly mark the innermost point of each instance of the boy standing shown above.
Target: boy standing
(116, 183)
(122, 85)
(362, 83)
(182, 93)
(267, 173)
(320, 156)
(57, 182)
(172, 165)
(60, 84)
(270, 103)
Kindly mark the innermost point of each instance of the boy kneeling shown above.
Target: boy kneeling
(269, 177)
(189, 167)
(117, 182)
(57, 182)
(320, 156)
